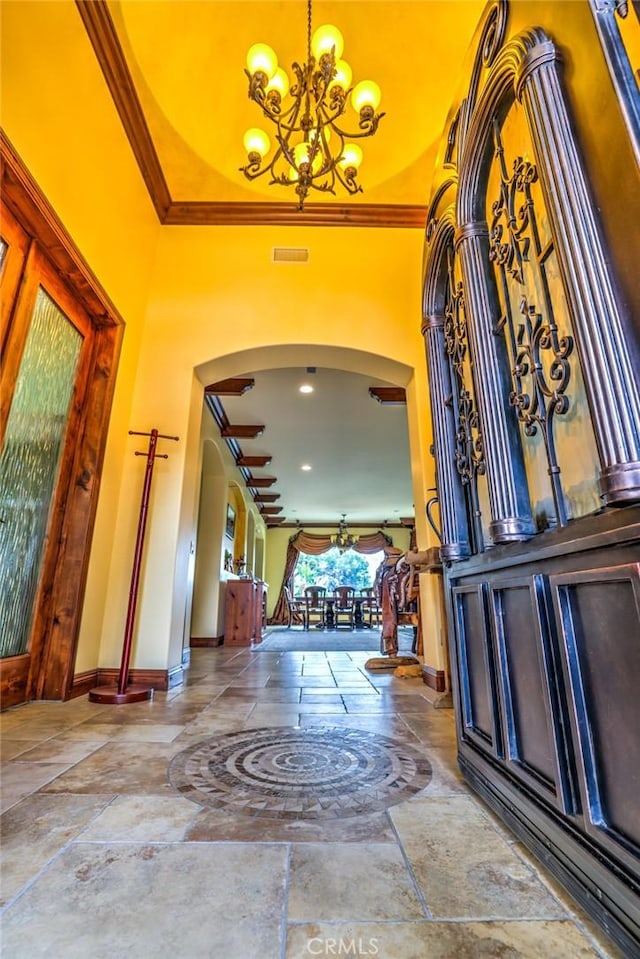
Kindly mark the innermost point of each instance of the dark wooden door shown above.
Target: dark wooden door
(47, 346)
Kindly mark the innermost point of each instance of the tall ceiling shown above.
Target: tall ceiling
(175, 70)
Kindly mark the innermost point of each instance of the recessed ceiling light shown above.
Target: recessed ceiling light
(306, 388)
(305, 467)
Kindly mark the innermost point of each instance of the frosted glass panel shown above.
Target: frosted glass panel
(29, 464)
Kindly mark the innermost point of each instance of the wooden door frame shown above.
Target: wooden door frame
(65, 568)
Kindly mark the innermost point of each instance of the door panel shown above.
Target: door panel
(50, 335)
(599, 612)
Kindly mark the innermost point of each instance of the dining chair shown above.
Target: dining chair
(315, 607)
(371, 612)
(344, 606)
(295, 609)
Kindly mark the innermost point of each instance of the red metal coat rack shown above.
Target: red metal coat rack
(125, 692)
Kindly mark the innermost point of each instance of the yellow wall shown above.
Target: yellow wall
(215, 292)
(59, 117)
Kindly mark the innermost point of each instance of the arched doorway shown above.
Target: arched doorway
(364, 364)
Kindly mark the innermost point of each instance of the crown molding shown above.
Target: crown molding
(194, 213)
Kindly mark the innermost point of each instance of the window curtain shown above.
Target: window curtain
(315, 544)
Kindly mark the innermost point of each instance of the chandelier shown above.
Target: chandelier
(343, 540)
(313, 149)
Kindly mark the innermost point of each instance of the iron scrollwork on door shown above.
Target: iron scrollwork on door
(539, 398)
(468, 454)
(509, 241)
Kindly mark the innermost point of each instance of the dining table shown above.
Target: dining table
(329, 620)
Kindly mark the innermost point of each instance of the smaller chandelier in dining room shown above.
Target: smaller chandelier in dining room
(343, 539)
(314, 150)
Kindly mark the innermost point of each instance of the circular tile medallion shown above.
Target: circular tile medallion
(318, 772)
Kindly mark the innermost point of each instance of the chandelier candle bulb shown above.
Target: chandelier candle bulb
(262, 59)
(301, 154)
(305, 157)
(343, 76)
(365, 95)
(256, 141)
(279, 83)
(316, 134)
(351, 156)
(326, 39)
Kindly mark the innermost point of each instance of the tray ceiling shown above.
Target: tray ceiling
(176, 72)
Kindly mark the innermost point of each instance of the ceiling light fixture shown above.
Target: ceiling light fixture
(305, 467)
(312, 152)
(344, 540)
(305, 388)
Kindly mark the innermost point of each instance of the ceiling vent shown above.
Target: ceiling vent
(290, 254)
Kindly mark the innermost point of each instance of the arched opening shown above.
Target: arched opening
(259, 542)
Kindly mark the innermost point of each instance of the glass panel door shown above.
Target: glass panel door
(29, 464)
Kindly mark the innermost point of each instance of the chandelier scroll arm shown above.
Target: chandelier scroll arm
(372, 126)
(348, 179)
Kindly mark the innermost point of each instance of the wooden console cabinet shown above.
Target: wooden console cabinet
(244, 611)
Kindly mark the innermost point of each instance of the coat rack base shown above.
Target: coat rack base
(111, 696)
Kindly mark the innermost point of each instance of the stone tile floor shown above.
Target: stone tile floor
(102, 856)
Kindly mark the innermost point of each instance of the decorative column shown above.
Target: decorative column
(603, 333)
(453, 517)
(508, 489)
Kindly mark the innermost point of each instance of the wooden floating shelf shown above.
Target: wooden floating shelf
(389, 395)
(235, 386)
(243, 431)
(253, 460)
